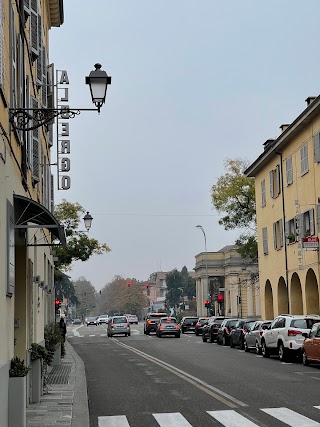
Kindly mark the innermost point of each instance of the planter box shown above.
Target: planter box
(17, 402)
(36, 380)
(57, 356)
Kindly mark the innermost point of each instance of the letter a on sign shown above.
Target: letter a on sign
(64, 79)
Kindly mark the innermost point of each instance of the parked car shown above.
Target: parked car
(91, 321)
(132, 318)
(284, 336)
(102, 319)
(188, 324)
(311, 346)
(237, 334)
(168, 326)
(76, 322)
(210, 330)
(223, 334)
(252, 339)
(151, 322)
(199, 325)
(118, 325)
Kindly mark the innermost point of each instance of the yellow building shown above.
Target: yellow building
(227, 274)
(287, 185)
(27, 225)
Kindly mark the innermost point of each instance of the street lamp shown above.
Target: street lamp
(205, 248)
(87, 221)
(32, 118)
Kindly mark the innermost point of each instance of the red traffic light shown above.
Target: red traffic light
(129, 284)
(57, 302)
(220, 297)
(147, 285)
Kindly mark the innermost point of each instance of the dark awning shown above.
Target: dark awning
(28, 212)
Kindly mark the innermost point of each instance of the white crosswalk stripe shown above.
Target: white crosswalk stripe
(113, 421)
(317, 407)
(171, 419)
(231, 418)
(290, 418)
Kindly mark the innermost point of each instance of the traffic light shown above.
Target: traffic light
(220, 298)
(57, 304)
(207, 303)
(147, 285)
(129, 284)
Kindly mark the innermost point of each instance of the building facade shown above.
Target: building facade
(287, 186)
(27, 225)
(227, 274)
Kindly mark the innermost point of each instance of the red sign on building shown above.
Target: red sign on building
(310, 243)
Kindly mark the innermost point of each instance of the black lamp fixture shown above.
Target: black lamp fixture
(32, 118)
(87, 221)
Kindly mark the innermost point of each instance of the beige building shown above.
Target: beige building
(287, 183)
(27, 225)
(226, 273)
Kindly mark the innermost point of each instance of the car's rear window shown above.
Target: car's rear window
(120, 320)
(303, 323)
(157, 316)
(168, 320)
(232, 323)
(218, 321)
(190, 319)
(203, 321)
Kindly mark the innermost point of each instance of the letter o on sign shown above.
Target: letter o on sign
(65, 182)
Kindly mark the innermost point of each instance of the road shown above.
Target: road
(144, 381)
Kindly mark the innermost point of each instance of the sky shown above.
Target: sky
(194, 83)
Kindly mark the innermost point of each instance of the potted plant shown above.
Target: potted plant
(17, 393)
(53, 340)
(40, 357)
(291, 238)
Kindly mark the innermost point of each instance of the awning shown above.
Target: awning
(31, 214)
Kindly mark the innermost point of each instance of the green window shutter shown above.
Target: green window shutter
(271, 184)
(265, 240)
(34, 42)
(13, 82)
(287, 231)
(316, 147)
(281, 232)
(274, 235)
(311, 219)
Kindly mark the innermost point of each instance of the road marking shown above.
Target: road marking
(290, 418)
(286, 363)
(231, 419)
(113, 421)
(103, 335)
(202, 385)
(317, 407)
(171, 419)
(91, 335)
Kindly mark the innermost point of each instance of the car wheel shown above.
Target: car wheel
(305, 360)
(218, 340)
(129, 334)
(178, 336)
(197, 333)
(246, 348)
(231, 343)
(147, 332)
(258, 348)
(183, 331)
(224, 340)
(211, 339)
(159, 335)
(264, 349)
(282, 351)
(241, 344)
(204, 338)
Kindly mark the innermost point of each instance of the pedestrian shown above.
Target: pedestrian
(63, 328)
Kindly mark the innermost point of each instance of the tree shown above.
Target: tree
(174, 281)
(86, 296)
(234, 195)
(64, 287)
(79, 245)
(188, 284)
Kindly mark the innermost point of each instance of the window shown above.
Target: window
(279, 323)
(289, 170)
(304, 159)
(265, 240)
(2, 51)
(275, 187)
(316, 147)
(290, 230)
(307, 223)
(263, 193)
(277, 234)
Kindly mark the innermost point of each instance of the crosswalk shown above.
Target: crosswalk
(226, 418)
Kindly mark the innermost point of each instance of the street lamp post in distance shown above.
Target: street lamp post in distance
(205, 248)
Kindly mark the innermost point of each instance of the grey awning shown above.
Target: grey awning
(31, 214)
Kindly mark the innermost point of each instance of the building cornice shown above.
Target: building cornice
(56, 13)
(274, 149)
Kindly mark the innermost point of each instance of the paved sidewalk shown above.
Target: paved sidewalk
(66, 403)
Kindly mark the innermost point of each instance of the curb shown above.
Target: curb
(80, 409)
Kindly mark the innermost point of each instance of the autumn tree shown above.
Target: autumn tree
(233, 196)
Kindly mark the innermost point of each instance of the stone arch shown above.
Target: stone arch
(312, 293)
(268, 301)
(282, 296)
(296, 306)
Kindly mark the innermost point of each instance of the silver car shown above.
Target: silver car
(252, 339)
(118, 325)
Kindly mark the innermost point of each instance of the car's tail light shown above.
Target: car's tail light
(112, 325)
(161, 326)
(149, 322)
(293, 332)
(128, 324)
(227, 331)
(261, 332)
(198, 324)
(177, 327)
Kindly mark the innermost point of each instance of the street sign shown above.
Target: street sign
(310, 243)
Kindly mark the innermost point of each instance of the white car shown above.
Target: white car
(102, 319)
(284, 335)
(132, 318)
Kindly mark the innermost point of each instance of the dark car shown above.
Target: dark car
(91, 321)
(223, 335)
(210, 330)
(188, 324)
(238, 333)
(76, 322)
(151, 322)
(199, 325)
(252, 339)
(168, 326)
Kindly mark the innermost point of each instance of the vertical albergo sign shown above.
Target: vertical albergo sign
(63, 131)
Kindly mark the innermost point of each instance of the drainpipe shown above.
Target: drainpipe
(284, 230)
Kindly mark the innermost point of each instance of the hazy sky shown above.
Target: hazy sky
(193, 83)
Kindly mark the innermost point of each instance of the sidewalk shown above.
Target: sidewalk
(66, 403)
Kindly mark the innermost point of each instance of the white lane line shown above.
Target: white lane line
(230, 418)
(290, 418)
(113, 421)
(171, 419)
(103, 335)
(91, 335)
(317, 407)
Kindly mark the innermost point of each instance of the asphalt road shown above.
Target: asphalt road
(144, 381)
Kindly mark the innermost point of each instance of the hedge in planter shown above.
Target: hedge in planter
(18, 368)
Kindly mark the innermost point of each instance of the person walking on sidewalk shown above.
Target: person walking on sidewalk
(63, 328)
